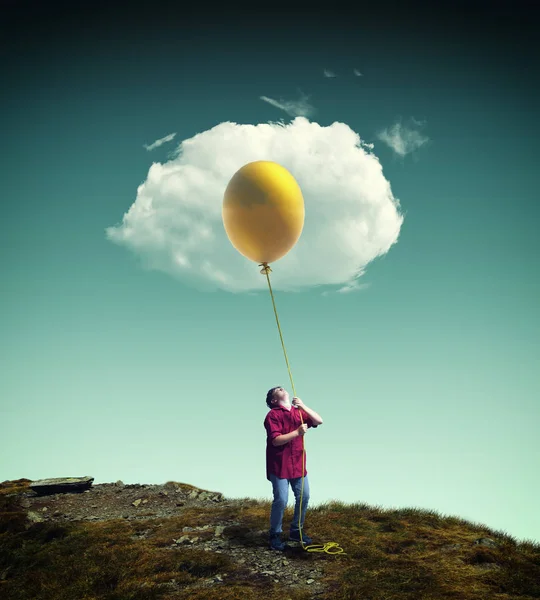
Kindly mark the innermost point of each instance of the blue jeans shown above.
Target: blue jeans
(281, 497)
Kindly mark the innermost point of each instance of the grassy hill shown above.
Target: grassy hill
(406, 554)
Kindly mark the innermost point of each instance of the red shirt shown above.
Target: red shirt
(285, 461)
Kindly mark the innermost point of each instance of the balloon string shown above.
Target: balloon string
(313, 547)
(264, 271)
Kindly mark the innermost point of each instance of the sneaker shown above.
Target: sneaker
(295, 537)
(275, 542)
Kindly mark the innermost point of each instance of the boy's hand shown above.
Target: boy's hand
(298, 403)
(302, 429)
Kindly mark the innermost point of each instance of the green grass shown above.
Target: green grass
(390, 554)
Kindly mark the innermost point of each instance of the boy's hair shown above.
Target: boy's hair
(270, 395)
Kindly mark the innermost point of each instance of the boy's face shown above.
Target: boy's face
(281, 396)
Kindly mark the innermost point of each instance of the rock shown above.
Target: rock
(34, 517)
(183, 540)
(56, 485)
(486, 542)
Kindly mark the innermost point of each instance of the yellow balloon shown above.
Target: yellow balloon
(263, 211)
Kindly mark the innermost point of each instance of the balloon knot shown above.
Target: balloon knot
(265, 268)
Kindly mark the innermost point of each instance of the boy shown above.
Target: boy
(284, 460)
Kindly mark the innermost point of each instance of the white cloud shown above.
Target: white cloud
(357, 73)
(175, 223)
(328, 73)
(160, 142)
(294, 108)
(403, 139)
(349, 287)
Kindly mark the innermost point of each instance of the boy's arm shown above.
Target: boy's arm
(315, 417)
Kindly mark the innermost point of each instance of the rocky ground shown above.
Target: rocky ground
(248, 548)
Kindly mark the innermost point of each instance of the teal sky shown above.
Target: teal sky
(426, 378)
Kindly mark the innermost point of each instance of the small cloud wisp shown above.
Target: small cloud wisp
(404, 139)
(160, 142)
(294, 108)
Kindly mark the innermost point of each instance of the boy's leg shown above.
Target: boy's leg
(280, 489)
(296, 485)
